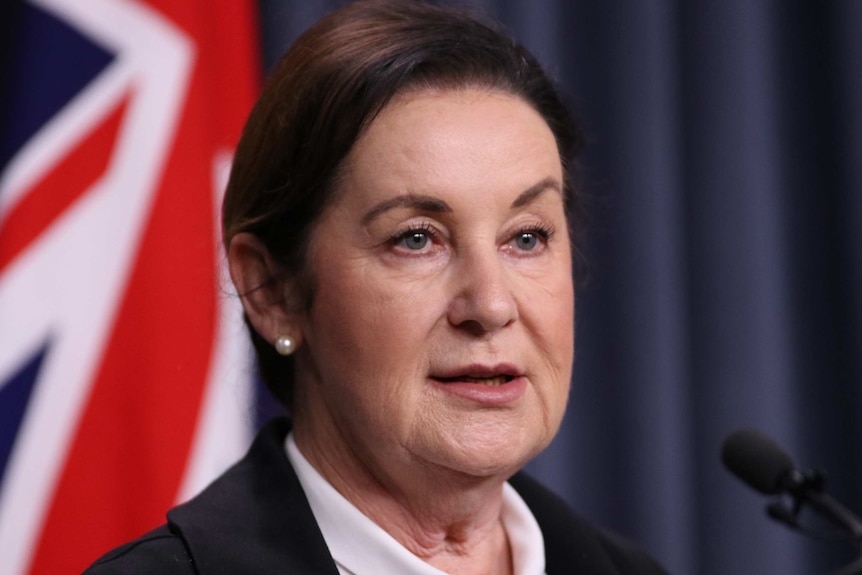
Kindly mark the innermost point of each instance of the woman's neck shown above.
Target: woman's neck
(450, 520)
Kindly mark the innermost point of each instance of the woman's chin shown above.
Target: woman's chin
(484, 455)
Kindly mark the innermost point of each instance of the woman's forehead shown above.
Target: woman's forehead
(450, 135)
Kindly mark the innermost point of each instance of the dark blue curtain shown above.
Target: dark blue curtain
(725, 171)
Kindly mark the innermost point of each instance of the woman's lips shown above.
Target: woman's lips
(478, 372)
(491, 389)
(492, 381)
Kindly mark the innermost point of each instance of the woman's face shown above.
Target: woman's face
(441, 331)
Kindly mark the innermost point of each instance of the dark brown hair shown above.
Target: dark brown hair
(328, 88)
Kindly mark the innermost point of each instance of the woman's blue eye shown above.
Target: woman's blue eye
(526, 240)
(415, 240)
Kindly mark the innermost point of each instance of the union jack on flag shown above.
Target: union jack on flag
(124, 368)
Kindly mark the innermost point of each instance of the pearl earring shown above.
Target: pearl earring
(285, 345)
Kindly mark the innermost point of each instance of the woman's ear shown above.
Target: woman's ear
(261, 286)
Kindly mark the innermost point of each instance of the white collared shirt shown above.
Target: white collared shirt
(361, 547)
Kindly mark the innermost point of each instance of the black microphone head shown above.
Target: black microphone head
(756, 459)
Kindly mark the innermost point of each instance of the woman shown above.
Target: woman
(396, 224)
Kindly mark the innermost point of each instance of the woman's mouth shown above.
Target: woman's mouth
(485, 385)
(492, 381)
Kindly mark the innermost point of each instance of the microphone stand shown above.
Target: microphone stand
(807, 488)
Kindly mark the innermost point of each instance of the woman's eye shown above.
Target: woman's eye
(531, 238)
(526, 240)
(415, 240)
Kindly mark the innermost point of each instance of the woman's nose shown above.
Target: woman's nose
(483, 300)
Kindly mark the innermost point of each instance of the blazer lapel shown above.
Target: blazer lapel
(571, 544)
(255, 518)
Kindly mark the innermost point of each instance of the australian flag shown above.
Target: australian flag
(124, 368)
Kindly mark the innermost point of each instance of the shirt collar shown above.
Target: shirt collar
(361, 547)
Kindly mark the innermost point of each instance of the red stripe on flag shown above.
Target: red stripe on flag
(127, 459)
(128, 456)
(60, 188)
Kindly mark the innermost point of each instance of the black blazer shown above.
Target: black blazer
(255, 520)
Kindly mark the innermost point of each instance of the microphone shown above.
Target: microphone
(757, 460)
(766, 467)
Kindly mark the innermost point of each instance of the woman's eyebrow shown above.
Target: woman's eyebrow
(536, 190)
(424, 203)
(436, 205)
